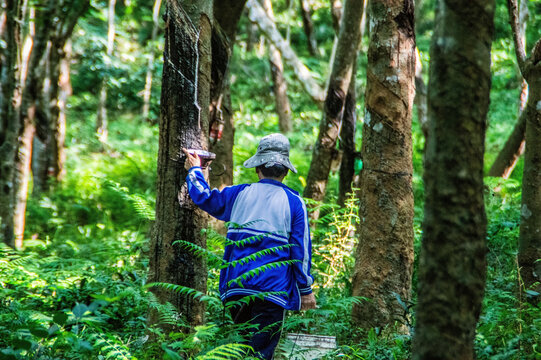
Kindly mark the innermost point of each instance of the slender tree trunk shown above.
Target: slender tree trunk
(347, 140)
(513, 148)
(308, 26)
(452, 266)
(257, 15)
(9, 108)
(336, 12)
(529, 251)
(329, 127)
(283, 108)
(49, 156)
(508, 156)
(59, 132)
(184, 123)
(32, 76)
(227, 16)
(384, 256)
(101, 121)
(420, 95)
(348, 130)
(22, 174)
(147, 92)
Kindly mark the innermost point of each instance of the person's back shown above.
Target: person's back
(268, 248)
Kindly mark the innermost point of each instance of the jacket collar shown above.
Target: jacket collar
(277, 183)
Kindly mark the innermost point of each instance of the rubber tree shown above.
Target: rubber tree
(452, 265)
(384, 255)
(329, 127)
(529, 251)
(227, 16)
(185, 101)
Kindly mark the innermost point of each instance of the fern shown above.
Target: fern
(138, 203)
(184, 290)
(226, 352)
(258, 270)
(249, 240)
(250, 298)
(258, 255)
(198, 250)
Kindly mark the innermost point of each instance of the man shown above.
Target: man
(269, 248)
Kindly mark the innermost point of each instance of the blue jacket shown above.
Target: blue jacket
(268, 248)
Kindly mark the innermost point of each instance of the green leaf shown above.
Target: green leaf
(22, 344)
(60, 318)
(39, 332)
(170, 354)
(79, 310)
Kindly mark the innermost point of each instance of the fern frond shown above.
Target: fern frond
(226, 352)
(258, 255)
(198, 250)
(182, 290)
(140, 205)
(251, 298)
(249, 240)
(258, 270)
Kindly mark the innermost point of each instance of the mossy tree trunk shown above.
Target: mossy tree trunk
(452, 266)
(384, 256)
(184, 123)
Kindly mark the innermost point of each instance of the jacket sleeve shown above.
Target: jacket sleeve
(215, 202)
(300, 236)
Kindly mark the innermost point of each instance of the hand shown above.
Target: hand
(308, 302)
(191, 160)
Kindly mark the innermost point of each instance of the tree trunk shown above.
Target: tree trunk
(336, 12)
(452, 266)
(22, 174)
(148, 79)
(257, 15)
(348, 131)
(101, 121)
(420, 95)
(508, 156)
(183, 124)
(513, 148)
(227, 15)
(9, 108)
(308, 26)
(384, 256)
(329, 126)
(48, 161)
(529, 251)
(279, 85)
(347, 140)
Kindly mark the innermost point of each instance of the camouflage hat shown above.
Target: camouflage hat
(273, 149)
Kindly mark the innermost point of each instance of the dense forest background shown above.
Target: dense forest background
(74, 282)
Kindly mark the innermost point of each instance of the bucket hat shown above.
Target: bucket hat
(273, 149)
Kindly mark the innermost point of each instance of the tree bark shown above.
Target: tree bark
(227, 16)
(329, 127)
(452, 265)
(347, 140)
(336, 13)
(513, 148)
(529, 251)
(101, 120)
(147, 92)
(9, 108)
(267, 27)
(49, 155)
(279, 85)
(384, 256)
(420, 95)
(308, 27)
(184, 123)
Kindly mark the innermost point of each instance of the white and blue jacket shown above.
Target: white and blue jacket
(268, 249)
